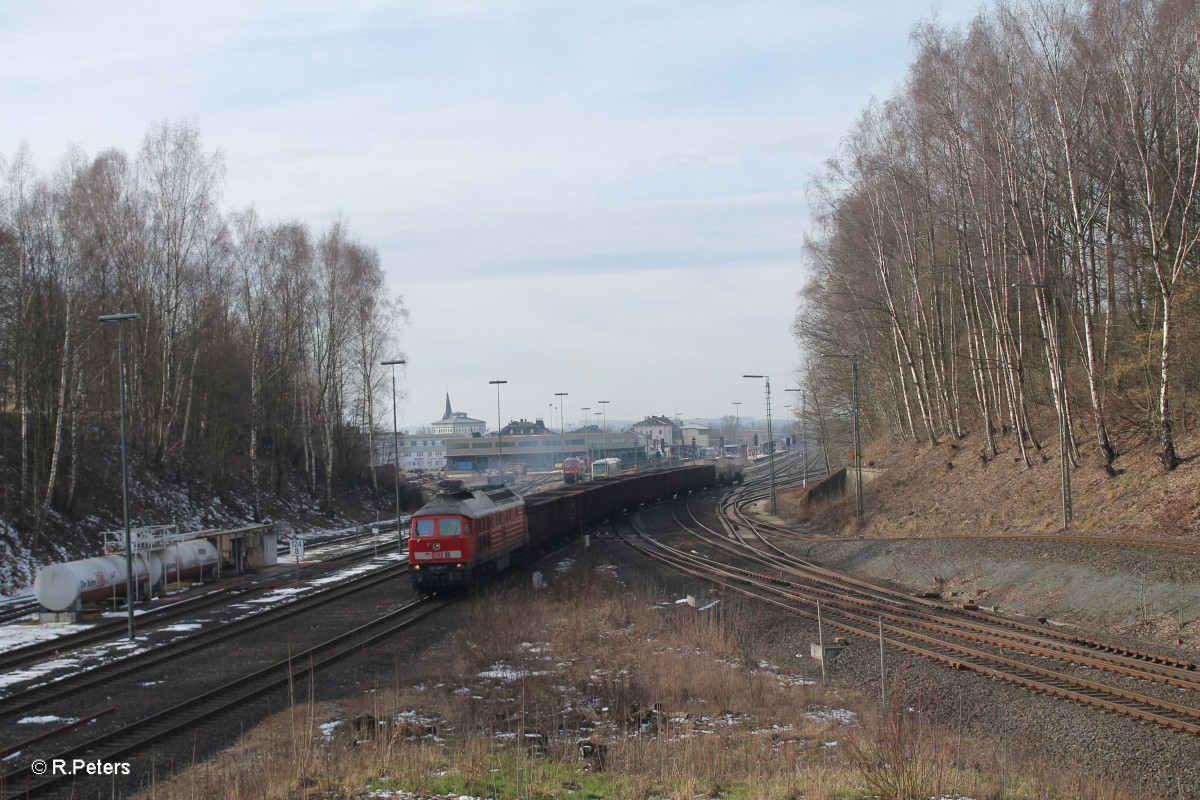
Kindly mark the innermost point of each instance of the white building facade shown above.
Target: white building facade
(456, 423)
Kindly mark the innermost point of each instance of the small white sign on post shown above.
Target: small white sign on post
(297, 549)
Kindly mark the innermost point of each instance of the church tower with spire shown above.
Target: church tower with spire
(457, 423)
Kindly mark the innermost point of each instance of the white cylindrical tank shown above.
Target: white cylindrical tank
(60, 587)
(187, 560)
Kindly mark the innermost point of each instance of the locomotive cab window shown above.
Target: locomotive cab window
(451, 526)
(424, 527)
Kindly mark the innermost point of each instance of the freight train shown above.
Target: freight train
(730, 469)
(463, 537)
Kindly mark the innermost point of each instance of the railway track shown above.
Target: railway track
(938, 640)
(43, 695)
(147, 732)
(219, 594)
(1144, 685)
(17, 610)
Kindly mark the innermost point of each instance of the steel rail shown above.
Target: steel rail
(1170, 665)
(182, 607)
(43, 694)
(151, 730)
(957, 656)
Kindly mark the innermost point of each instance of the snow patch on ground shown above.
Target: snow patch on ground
(841, 716)
(17, 635)
(36, 671)
(23, 633)
(502, 671)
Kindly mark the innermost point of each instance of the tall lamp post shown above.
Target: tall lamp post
(562, 425)
(770, 439)
(130, 580)
(499, 431)
(395, 444)
(737, 422)
(1064, 455)
(587, 437)
(604, 426)
(804, 425)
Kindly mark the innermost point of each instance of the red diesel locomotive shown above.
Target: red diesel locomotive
(461, 537)
(573, 470)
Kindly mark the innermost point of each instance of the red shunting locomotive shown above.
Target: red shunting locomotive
(574, 470)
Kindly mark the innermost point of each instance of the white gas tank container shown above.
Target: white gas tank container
(60, 587)
(188, 560)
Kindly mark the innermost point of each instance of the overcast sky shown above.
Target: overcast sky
(603, 198)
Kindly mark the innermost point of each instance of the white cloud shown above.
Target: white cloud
(594, 197)
(660, 341)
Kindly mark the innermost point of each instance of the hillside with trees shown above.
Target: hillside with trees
(253, 373)
(1009, 242)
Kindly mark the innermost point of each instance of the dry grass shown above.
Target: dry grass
(918, 492)
(683, 702)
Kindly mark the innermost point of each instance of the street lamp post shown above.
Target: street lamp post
(599, 437)
(562, 427)
(737, 422)
(1064, 455)
(395, 444)
(770, 439)
(587, 438)
(499, 431)
(604, 426)
(130, 580)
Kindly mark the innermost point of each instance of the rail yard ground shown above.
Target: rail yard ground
(739, 714)
(605, 684)
(496, 700)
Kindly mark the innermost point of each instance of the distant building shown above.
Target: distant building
(660, 433)
(456, 423)
(418, 452)
(524, 428)
(425, 452)
(701, 433)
